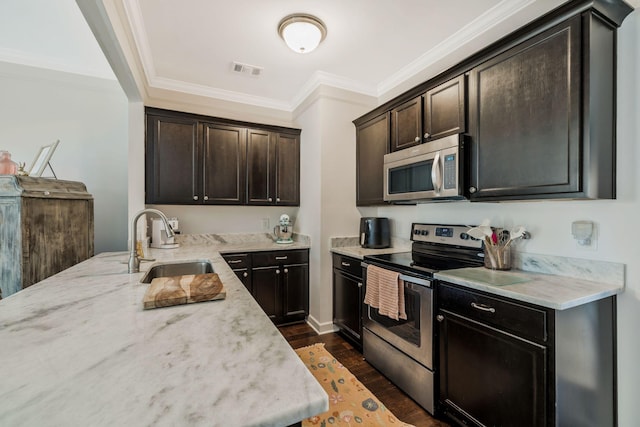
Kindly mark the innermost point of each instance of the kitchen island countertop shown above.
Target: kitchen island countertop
(78, 349)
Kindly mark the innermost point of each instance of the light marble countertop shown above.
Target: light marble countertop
(350, 246)
(549, 281)
(78, 349)
(546, 290)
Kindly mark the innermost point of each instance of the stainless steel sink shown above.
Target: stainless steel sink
(177, 269)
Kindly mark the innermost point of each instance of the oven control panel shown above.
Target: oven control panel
(455, 235)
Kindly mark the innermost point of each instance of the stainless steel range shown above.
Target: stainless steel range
(403, 349)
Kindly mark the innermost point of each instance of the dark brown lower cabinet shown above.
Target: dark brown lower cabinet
(507, 363)
(348, 297)
(241, 265)
(278, 280)
(490, 376)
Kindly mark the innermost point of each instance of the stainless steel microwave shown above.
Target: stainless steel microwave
(428, 172)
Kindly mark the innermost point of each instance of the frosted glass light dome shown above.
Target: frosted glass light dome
(302, 33)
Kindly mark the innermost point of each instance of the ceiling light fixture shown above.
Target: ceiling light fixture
(302, 32)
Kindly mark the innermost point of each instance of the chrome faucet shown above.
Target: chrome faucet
(134, 260)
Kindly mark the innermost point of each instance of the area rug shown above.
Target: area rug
(350, 402)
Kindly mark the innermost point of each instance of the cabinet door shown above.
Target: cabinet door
(295, 292)
(260, 167)
(525, 118)
(244, 274)
(372, 143)
(173, 154)
(347, 304)
(406, 124)
(490, 376)
(266, 291)
(224, 164)
(444, 112)
(287, 170)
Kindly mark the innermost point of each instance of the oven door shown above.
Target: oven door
(414, 335)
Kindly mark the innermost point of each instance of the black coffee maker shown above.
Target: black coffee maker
(374, 233)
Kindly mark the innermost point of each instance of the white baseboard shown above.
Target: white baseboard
(321, 328)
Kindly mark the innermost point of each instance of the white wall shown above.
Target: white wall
(89, 117)
(550, 222)
(228, 219)
(327, 209)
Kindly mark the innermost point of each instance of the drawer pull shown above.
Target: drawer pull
(245, 274)
(281, 257)
(234, 261)
(359, 284)
(483, 307)
(345, 264)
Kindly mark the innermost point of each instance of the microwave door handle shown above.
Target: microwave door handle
(436, 175)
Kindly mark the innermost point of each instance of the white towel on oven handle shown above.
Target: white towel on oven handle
(385, 291)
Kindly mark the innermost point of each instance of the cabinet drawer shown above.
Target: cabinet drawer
(237, 261)
(266, 259)
(348, 265)
(525, 321)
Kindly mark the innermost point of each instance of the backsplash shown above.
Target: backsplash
(587, 269)
(233, 238)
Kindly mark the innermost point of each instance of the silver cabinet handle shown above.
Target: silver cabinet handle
(195, 197)
(417, 139)
(439, 317)
(206, 197)
(472, 190)
(277, 199)
(286, 270)
(426, 135)
(359, 284)
(281, 257)
(46, 193)
(245, 274)
(345, 264)
(234, 261)
(270, 199)
(278, 271)
(483, 307)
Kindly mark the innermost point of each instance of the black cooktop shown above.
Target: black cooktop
(435, 247)
(410, 262)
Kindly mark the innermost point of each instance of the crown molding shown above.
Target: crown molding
(49, 63)
(212, 92)
(475, 28)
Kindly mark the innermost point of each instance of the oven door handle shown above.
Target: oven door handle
(412, 279)
(417, 281)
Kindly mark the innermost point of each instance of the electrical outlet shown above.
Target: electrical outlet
(265, 224)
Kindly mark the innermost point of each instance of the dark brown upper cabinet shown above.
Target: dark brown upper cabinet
(273, 168)
(225, 156)
(193, 159)
(444, 109)
(372, 143)
(540, 109)
(542, 116)
(173, 160)
(406, 124)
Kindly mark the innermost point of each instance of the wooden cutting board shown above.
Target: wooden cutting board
(176, 290)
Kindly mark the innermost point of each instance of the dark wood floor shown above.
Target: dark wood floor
(400, 404)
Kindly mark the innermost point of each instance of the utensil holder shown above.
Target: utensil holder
(497, 257)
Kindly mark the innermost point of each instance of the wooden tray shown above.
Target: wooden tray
(176, 290)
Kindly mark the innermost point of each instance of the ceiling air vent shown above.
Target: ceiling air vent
(246, 69)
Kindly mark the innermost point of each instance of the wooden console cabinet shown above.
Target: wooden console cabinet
(46, 226)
